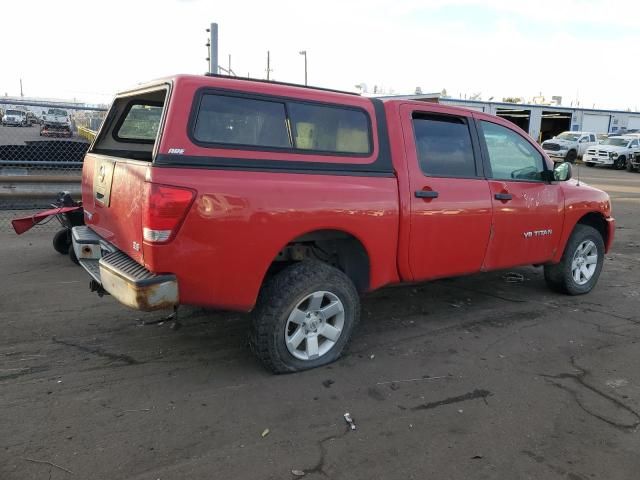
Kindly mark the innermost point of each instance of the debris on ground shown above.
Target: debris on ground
(476, 457)
(372, 356)
(328, 382)
(349, 420)
(265, 432)
(513, 277)
(298, 473)
(422, 379)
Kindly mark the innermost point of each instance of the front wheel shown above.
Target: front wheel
(304, 317)
(620, 162)
(581, 263)
(589, 164)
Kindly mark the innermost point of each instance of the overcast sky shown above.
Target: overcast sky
(585, 49)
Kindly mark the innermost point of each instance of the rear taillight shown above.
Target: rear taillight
(164, 210)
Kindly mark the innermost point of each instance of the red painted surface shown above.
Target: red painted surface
(462, 210)
(120, 223)
(240, 220)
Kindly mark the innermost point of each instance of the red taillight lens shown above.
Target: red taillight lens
(164, 211)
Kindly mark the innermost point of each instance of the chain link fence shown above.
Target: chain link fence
(42, 147)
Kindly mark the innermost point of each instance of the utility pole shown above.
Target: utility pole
(21, 93)
(269, 65)
(230, 64)
(304, 52)
(212, 45)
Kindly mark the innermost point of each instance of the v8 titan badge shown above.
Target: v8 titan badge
(538, 233)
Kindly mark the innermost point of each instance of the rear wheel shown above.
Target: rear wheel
(304, 317)
(571, 156)
(581, 263)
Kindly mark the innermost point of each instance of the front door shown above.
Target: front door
(450, 200)
(527, 211)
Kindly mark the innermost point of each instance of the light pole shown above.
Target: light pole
(304, 52)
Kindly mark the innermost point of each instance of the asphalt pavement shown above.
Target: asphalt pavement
(473, 377)
(21, 135)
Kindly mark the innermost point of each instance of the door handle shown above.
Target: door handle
(426, 194)
(503, 196)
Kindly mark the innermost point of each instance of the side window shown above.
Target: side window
(443, 145)
(634, 144)
(329, 129)
(280, 123)
(592, 138)
(241, 121)
(511, 156)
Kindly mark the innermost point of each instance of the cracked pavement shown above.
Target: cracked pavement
(463, 378)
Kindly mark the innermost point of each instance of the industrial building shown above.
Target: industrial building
(545, 121)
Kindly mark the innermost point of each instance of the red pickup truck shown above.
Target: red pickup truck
(291, 201)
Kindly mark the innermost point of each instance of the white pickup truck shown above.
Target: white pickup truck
(56, 122)
(569, 145)
(613, 152)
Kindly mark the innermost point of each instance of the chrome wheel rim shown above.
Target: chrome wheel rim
(314, 326)
(584, 263)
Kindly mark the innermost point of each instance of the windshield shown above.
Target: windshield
(616, 142)
(57, 111)
(15, 112)
(572, 137)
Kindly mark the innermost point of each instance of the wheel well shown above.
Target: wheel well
(597, 221)
(337, 248)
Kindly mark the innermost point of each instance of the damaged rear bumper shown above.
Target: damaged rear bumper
(119, 275)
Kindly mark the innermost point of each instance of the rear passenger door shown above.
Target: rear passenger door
(450, 202)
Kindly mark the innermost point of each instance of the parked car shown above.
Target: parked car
(32, 119)
(56, 123)
(613, 152)
(569, 145)
(14, 118)
(290, 202)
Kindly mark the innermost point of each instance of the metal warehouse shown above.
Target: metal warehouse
(545, 121)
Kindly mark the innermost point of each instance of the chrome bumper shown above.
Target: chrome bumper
(122, 277)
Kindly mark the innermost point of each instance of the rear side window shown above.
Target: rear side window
(224, 120)
(141, 122)
(444, 146)
(241, 121)
(329, 129)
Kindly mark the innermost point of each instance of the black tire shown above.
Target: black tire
(280, 295)
(72, 256)
(559, 276)
(589, 164)
(629, 166)
(62, 241)
(571, 156)
(620, 162)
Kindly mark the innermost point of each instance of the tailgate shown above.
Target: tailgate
(113, 192)
(114, 188)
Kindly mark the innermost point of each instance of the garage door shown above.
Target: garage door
(595, 123)
(633, 123)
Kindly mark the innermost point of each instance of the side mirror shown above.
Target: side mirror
(562, 172)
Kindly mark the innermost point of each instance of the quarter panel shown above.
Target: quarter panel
(241, 220)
